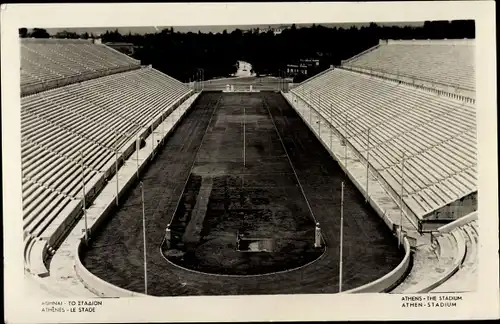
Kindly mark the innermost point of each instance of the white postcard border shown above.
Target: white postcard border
(20, 307)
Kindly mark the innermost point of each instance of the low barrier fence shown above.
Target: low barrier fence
(235, 86)
(390, 280)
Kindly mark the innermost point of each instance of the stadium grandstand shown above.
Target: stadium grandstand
(67, 61)
(401, 112)
(82, 105)
(434, 134)
(449, 64)
(408, 113)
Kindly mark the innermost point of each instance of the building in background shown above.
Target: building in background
(303, 66)
(276, 30)
(125, 48)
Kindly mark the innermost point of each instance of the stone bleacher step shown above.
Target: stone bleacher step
(465, 278)
(433, 275)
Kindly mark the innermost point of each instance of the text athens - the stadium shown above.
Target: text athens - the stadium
(362, 178)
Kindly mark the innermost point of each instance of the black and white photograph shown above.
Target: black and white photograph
(251, 159)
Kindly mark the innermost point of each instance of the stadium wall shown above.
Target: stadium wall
(95, 284)
(390, 280)
(89, 280)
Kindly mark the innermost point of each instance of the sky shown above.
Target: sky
(206, 29)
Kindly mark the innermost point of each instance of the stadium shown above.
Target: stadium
(362, 178)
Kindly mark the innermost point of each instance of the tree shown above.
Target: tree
(180, 54)
(39, 33)
(299, 78)
(23, 32)
(66, 34)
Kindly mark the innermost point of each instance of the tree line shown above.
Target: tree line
(181, 55)
(42, 33)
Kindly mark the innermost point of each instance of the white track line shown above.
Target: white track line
(194, 161)
(290, 161)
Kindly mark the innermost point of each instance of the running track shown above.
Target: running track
(116, 254)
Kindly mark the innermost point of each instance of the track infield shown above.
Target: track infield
(242, 185)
